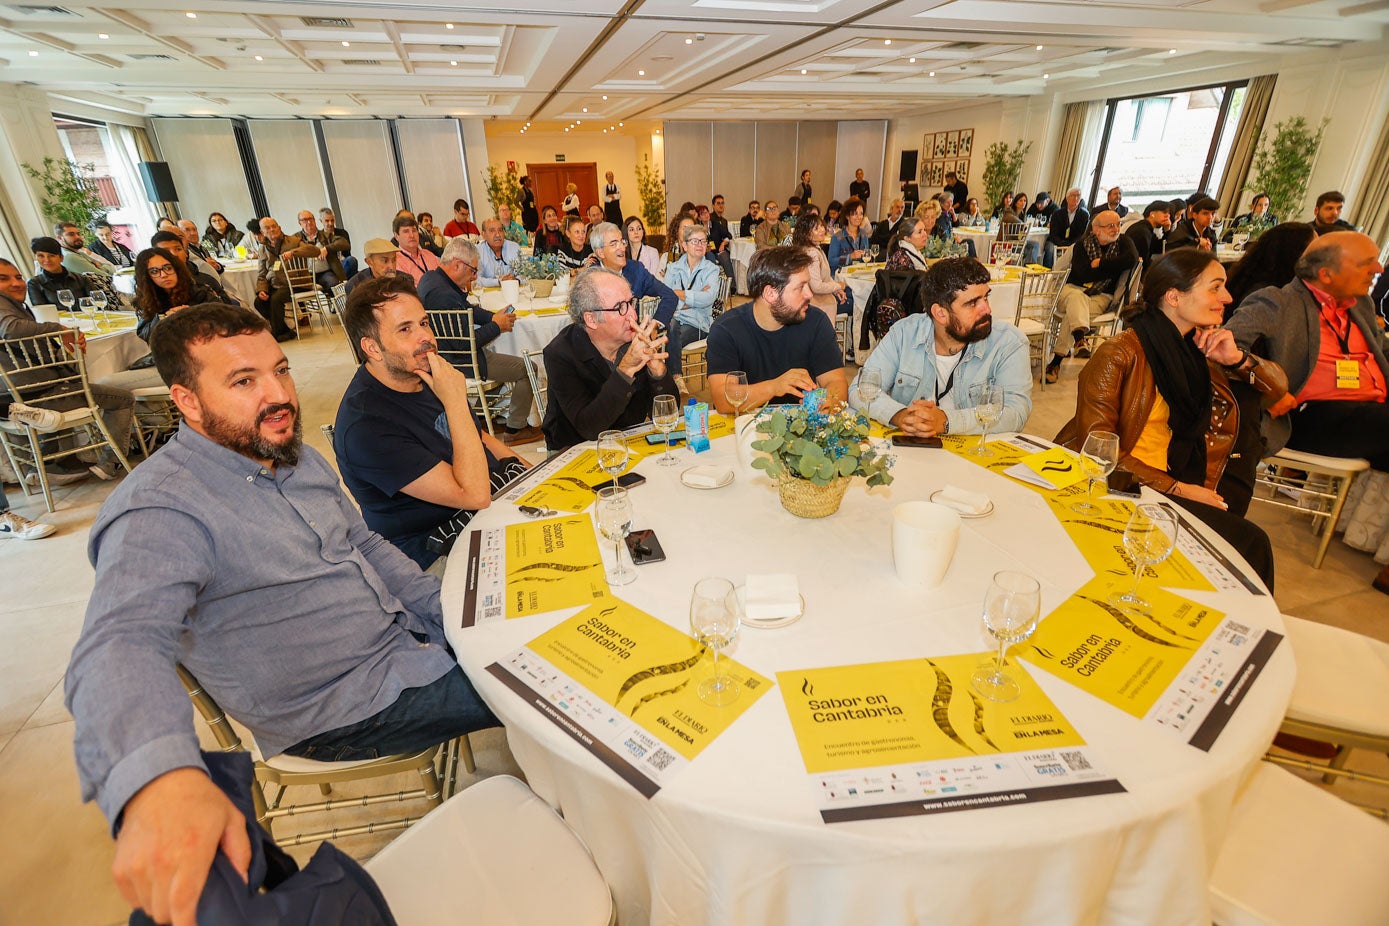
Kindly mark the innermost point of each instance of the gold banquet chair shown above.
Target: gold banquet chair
(535, 372)
(156, 417)
(1325, 481)
(340, 306)
(303, 290)
(457, 325)
(285, 771)
(1040, 313)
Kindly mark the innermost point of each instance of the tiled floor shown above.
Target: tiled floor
(57, 852)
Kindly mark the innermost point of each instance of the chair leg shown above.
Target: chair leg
(465, 748)
(434, 792)
(1337, 761)
(36, 448)
(325, 789)
(1332, 517)
(486, 411)
(118, 451)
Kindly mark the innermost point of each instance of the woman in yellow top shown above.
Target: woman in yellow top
(1176, 389)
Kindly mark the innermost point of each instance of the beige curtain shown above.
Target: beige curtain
(1372, 212)
(1251, 124)
(1079, 147)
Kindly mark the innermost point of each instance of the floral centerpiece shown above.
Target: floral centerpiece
(541, 271)
(814, 453)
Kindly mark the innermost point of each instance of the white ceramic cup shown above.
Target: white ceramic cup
(511, 291)
(924, 536)
(45, 313)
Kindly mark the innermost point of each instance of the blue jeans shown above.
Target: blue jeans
(420, 718)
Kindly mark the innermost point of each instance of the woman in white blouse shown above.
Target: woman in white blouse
(634, 233)
(696, 284)
(827, 293)
(571, 200)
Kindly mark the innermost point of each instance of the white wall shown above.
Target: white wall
(206, 168)
(290, 169)
(435, 175)
(861, 145)
(27, 135)
(906, 135)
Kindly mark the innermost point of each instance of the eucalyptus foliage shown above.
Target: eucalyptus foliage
(538, 267)
(819, 446)
(1283, 164)
(503, 188)
(652, 191)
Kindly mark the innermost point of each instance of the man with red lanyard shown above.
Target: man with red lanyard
(412, 259)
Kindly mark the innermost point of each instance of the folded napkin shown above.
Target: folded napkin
(772, 597)
(707, 477)
(963, 500)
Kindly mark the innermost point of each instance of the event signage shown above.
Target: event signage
(532, 567)
(624, 686)
(909, 737)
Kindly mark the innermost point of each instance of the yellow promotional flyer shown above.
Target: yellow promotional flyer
(572, 486)
(532, 567)
(912, 736)
(1100, 538)
(624, 685)
(1057, 465)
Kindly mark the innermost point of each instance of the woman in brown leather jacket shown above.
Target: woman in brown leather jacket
(1172, 386)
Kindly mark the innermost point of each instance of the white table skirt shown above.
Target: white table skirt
(740, 250)
(1003, 298)
(982, 238)
(532, 332)
(736, 838)
(113, 353)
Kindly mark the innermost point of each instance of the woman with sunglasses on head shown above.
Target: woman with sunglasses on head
(163, 285)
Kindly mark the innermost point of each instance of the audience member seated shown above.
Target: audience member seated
(53, 277)
(785, 350)
(634, 235)
(1147, 234)
(1001, 205)
(793, 212)
(497, 257)
(1269, 260)
(930, 213)
(513, 229)
(720, 238)
(254, 240)
(904, 251)
(1065, 226)
(313, 631)
(380, 257)
(1015, 212)
(1099, 264)
(827, 293)
(220, 236)
(1196, 230)
(105, 246)
(947, 206)
(1257, 216)
(431, 238)
(189, 229)
(1113, 203)
(605, 243)
(694, 281)
(272, 287)
(850, 242)
(594, 217)
(928, 362)
(1177, 210)
(549, 236)
(834, 211)
(77, 257)
(574, 252)
(462, 221)
(884, 230)
(412, 259)
(1041, 209)
(772, 231)
(604, 368)
(328, 270)
(411, 451)
(331, 229)
(1328, 215)
(17, 527)
(1164, 386)
(173, 243)
(445, 288)
(164, 285)
(749, 222)
(970, 216)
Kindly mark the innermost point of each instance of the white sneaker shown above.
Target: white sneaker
(56, 478)
(43, 419)
(21, 528)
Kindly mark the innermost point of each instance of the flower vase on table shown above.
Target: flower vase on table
(814, 453)
(540, 271)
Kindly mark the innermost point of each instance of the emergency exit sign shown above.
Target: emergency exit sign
(559, 159)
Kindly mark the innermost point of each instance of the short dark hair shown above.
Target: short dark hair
(949, 277)
(716, 197)
(359, 315)
(1330, 196)
(1179, 270)
(253, 226)
(160, 237)
(1157, 205)
(59, 226)
(571, 221)
(793, 201)
(177, 333)
(425, 215)
(773, 267)
(460, 204)
(950, 174)
(403, 221)
(1207, 204)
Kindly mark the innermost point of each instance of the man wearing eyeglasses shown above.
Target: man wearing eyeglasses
(611, 251)
(497, 255)
(604, 368)
(445, 288)
(1101, 259)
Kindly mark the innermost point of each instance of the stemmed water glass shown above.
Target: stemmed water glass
(613, 511)
(612, 453)
(869, 386)
(986, 399)
(99, 301)
(715, 618)
(66, 300)
(873, 252)
(665, 414)
(1149, 538)
(735, 389)
(1098, 458)
(85, 308)
(1011, 608)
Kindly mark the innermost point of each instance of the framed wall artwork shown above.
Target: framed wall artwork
(966, 144)
(938, 148)
(962, 171)
(952, 144)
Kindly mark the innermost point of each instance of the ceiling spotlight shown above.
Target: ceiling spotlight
(566, 128)
(448, 25)
(1171, 51)
(641, 73)
(1046, 77)
(191, 15)
(887, 41)
(528, 125)
(612, 128)
(911, 61)
(605, 131)
(658, 131)
(804, 71)
(33, 54)
(619, 125)
(102, 35)
(260, 58)
(578, 122)
(585, 109)
(346, 44)
(931, 74)
(605, 97)
(689, 41)
(1039, 47)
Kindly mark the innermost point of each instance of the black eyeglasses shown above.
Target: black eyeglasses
(622, 308)
(161, 270)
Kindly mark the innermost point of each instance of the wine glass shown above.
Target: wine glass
(612, 453)
(85, 309)
(869, 386)
(66, 300)
(613, 511)
(873, 252)
(1011, 608)
(735, 389)
(665, 413)
(1149, 538)
(986, 399)
(1098, 458)
(99, 300)
(715, 618)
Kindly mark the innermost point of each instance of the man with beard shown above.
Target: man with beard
(928, 362)
(234, 552)
(410, 449)
(784, 352)
(1099, 263)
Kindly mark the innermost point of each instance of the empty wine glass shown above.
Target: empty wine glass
(665, 414)
(85, 307)
(613, 511)
(1149, 538)
(735, 389)
(715, 618)
(99, 301)
(869, 386)
(612, 453)
(1011, 608)
(986, 399)
(873, 252)
(66, 300)
(1098, 458)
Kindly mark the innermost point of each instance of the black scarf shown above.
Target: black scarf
(1184, 380)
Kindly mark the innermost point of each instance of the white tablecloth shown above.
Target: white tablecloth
(740, 249)
(982, 238)
(736, 838)
(239, 280)
(532, 332)
(112, 352)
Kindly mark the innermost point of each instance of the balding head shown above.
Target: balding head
(1342, 264)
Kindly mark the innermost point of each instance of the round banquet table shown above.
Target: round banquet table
(537, 321)
(112, 344)
(982, 238)
(741, 250)
(737, 837)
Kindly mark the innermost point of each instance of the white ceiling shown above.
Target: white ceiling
(548, 60)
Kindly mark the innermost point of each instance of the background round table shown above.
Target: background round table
(737, 837)
(537, 321)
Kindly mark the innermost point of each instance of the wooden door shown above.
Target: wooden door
(549, 182)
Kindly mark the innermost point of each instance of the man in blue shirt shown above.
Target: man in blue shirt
(234, 551)
(497, 257)
(928, 362)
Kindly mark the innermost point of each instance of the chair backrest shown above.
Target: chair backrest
(40, 365)
(1004, 252)
(1012, 231)
(211, 712)
(1064, 254)
(535, 372)
(299, 273)
(646, 307)
(340, 303)
(1038, 298)
(454, 330)
(1132, 288)
(721, 303)
(328, 431)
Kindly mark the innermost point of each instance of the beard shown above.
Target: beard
(787, 314)
(408, 366)
(981, 330)
(250, 442)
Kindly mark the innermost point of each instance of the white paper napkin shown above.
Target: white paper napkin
(773, 597)
(707, 477)
(963, 500)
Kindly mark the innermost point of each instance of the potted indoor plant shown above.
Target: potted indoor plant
(541, 271)
(813, 454)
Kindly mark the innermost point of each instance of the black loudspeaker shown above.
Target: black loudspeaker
(159, 183)
(908, 169)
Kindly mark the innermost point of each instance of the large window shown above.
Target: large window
(1168, 144)
(114, 178)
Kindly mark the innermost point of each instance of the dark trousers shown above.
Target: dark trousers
(1343, 429)
(420, 718)
(273, 309)
(1248, 538)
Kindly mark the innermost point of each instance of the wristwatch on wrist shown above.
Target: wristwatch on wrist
(945, 428)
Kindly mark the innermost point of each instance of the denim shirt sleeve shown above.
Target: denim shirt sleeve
(416, 589)
(900, 365)
(1007, 361)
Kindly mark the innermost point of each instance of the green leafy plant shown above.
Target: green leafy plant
(68, 195)
(939, 247)
(1003, 168)
(820, 446)
(652, 190)
(503, 188)
(1283, 164)
(539, 267)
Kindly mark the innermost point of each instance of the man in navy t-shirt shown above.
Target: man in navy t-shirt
(785, 351)
(409, 447)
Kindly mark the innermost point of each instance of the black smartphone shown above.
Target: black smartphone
(657, 438)
(906, 440)
(629, 481)
(644, 547)
(1122, 482)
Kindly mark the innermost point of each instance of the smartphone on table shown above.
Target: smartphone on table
(906, 440)
(644, 547)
